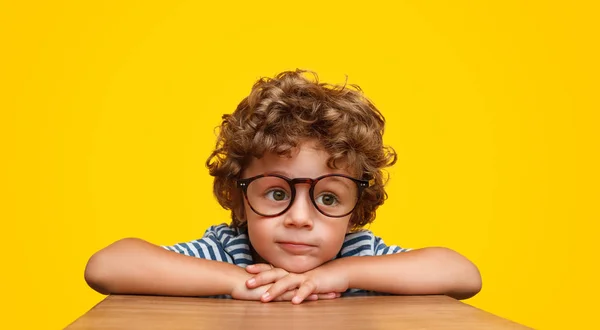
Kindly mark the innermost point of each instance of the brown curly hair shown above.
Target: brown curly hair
(282, 112)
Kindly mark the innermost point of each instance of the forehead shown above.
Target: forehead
(308, 160)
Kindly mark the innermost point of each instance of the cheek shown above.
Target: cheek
(336, 232)
(260, 231)
(256, 228)
(257, 235)
(251, 218)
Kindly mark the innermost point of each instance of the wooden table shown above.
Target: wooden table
(355, 312)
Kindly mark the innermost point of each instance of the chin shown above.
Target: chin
(298, 267)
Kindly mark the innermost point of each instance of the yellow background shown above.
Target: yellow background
(108, 110)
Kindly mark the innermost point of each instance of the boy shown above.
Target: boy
(299, 163)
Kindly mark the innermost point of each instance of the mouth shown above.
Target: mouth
(296, 247)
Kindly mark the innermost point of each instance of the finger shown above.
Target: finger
(312, 297)
(258, 268)
(325, 296)
(306, 289)
(287, 283)
(286, 296)
(266, 277)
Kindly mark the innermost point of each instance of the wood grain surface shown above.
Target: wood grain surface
(356, 312)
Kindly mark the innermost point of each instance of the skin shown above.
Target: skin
(134, 266)
(321, 236)
(425, 271)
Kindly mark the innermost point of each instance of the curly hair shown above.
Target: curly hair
(283, 111)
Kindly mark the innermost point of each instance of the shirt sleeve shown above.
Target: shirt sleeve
(365, 243)
(382, 249)
(209, 247)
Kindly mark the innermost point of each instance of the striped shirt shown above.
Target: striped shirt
(227, 244)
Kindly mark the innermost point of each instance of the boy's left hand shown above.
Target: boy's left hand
(323, 280)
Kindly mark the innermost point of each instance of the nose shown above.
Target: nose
(301, 213)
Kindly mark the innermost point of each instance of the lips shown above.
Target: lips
(295, 247)
(294, 243)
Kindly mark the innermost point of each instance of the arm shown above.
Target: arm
(134, 266)
(425, 271)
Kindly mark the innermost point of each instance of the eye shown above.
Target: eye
(327, 199)
(277, 195)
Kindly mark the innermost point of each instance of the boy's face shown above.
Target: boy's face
(318, 237)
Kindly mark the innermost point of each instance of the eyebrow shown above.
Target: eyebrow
(279, 173)
(343, 182)
(334, 178)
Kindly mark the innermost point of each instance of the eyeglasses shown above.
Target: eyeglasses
(334, 195)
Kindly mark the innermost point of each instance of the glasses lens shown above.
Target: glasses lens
(335, 195)
(269, 195)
